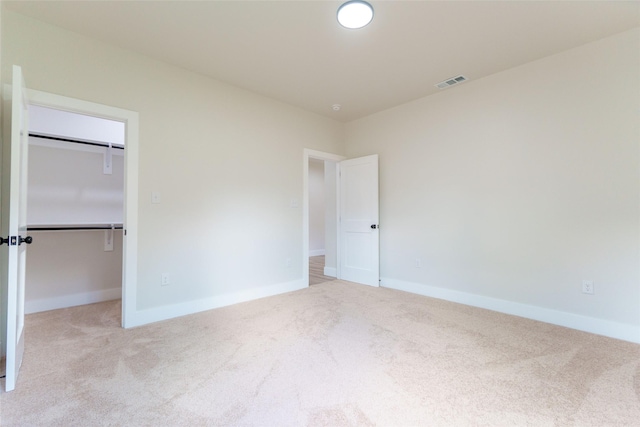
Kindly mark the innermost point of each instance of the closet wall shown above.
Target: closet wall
(67, 187)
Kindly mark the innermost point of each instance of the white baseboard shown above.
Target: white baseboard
(144, 317)
(330, 271)
(64, 301)
(593, 325)
(316, 252)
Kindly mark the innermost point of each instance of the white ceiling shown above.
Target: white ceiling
(296, 52)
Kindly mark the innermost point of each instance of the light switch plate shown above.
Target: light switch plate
(587, 287)
(155, 197)
(164, 279)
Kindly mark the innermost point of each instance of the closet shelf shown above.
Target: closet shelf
(76, 226)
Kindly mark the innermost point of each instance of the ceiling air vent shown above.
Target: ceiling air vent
(450, 82)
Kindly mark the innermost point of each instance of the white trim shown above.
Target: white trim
(46, 304)
(143, 317)
(331, 272)
(306, 155)
(593, 325)
(316, 252)
(130, 242)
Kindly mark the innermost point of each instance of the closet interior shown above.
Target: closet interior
(75, 208)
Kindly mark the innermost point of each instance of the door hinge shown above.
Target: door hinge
(10, 241)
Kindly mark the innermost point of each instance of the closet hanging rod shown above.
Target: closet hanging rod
(75, 141)
(80, 227)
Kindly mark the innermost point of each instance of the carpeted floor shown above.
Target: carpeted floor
(330, 355)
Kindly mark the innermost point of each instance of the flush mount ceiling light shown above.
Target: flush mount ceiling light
(355, 14)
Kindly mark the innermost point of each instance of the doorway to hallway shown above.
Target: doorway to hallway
(316, 271)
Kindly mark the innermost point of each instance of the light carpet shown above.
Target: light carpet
(334, 354)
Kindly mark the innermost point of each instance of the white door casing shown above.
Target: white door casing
(17, 228)
(358, 229)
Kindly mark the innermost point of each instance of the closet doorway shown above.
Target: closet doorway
(75, 209)
(82, 204)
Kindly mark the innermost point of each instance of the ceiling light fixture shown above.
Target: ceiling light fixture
(336, 107)
(355, 14)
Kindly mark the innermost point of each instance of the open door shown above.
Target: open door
(16, 227)
(358, 236)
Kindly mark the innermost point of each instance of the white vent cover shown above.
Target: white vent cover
(450, 82)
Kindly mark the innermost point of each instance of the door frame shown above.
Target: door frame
(130, 219)
(318, 155)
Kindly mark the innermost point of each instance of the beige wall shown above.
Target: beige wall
(226, 161)
(67, 185)
(69, 268)
(518, 186)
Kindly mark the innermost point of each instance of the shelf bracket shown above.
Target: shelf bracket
(107, 168)
(108, 239)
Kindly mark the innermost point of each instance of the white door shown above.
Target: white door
(358, 237)
(17, 228)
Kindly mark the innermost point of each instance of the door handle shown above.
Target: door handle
(13, 240)
(374, 226)
(28, 240)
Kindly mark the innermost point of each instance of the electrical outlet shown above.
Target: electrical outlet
(287, 263)
(164, 281)
(587, 287)
(418, 263)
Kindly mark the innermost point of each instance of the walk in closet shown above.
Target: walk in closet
(75, 197)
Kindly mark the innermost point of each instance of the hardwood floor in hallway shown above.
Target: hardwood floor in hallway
(316, 270)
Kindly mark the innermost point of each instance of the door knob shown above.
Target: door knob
(374, 226)
(28, 240)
